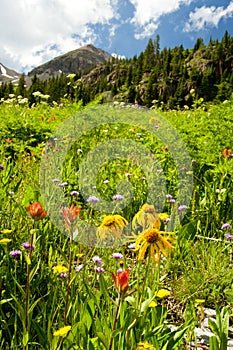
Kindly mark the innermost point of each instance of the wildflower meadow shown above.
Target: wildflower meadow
(115, 225)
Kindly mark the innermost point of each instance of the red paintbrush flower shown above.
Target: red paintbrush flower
(121, 280)
(36, 211)
(70, 214)
(226, 152)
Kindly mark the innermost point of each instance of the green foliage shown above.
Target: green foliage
(200, 265)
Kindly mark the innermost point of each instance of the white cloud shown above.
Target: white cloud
(148, 13)
(207, 16)
(34, 31)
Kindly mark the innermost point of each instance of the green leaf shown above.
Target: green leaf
(103, 339)
(214, 343)
(25, 338)
(5, 301)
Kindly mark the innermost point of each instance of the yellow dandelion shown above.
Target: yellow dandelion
(146, 217)
(162, 293)
(152, 304)
(59, 269)
(153, 240)
(163, 216)
(145, 345)
(113, 225)
(62, 332)
(5, 241)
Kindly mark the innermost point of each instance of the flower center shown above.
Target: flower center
(151, 236)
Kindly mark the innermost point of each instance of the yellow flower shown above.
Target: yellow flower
(145, 345)
(170, 237)
(6, 231)
(62, 332)
(152, 304)
(146, 217)
(163, 216)
(59, 269)
(199, 301)
(162, 293)
(153, 240)
(113, 225)
(5, 240)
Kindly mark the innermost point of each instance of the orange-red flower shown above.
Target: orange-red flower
(36, 211)
(121, 280)
(70, 214)
(226, 152)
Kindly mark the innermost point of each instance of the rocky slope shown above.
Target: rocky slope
(76, 61)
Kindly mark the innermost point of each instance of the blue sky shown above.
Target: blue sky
(34, 31)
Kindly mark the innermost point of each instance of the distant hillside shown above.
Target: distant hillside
(169, 78)
(76, 61)
(8, 75)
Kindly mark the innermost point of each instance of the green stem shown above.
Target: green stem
(115, 319)
(69, 278)
(27, 297)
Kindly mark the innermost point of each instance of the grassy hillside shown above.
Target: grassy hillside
(113, 266)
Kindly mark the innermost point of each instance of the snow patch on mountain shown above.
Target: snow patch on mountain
(4, 72)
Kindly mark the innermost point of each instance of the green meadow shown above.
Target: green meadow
(135, 274)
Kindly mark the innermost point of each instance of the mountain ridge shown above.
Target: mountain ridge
(76, 61)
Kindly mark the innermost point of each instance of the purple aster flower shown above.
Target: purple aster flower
(131, 246)
(99, 269)
(172, 200)
(15, 252)
(228, 235)
(117, 255)
(128, 174)
(225, 226)
(63, 184)
(92, 199)
(74, 193)
(97, 260)
(79, 267)
(119, 270)
(1, 167)
(118, 197)
(156, 126)
(27, 246)
(182, 207)
(106, 182)
(11, 193)
(168, 196)
(193, 160)
(55, 180)
(63, 275)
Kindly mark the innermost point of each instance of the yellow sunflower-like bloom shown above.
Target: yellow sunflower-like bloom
(153, 240)
(146, 217)
(145, 345)
(112, 225)
(62, 332)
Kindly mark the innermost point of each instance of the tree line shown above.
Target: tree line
(173, 78)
